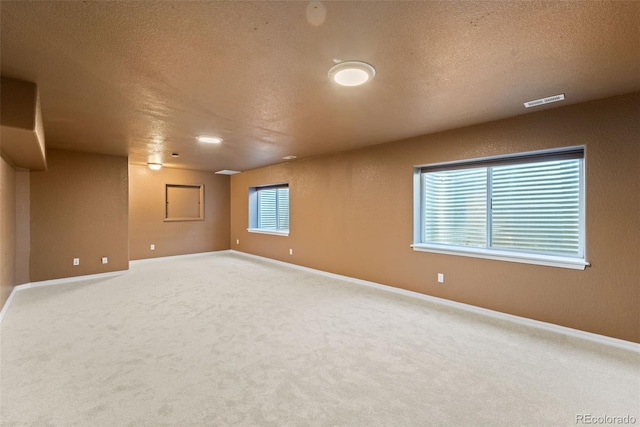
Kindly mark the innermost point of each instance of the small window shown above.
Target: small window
(184, 202)
(524, 208)
(269, 209)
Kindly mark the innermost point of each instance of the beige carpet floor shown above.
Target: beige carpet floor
(223, 339)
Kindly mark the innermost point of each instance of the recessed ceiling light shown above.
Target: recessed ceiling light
(290, 157)
(227, 172)
(351, 73)
(209, 139)
(154, 166)
(542, 101)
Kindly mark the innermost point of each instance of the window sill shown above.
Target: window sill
(267, 231)
(548, 260)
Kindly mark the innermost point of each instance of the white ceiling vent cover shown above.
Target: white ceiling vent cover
(547, 100)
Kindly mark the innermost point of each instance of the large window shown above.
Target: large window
(524, 208)
(269, 209)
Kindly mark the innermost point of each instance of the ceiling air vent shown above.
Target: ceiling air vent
(547, 100)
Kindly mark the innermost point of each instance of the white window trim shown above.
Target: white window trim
(524, 258)
(490, 253)
(283, 232)
(253, 212)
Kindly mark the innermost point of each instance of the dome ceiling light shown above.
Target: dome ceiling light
(351, 73)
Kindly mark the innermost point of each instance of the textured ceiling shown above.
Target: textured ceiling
(144, 78)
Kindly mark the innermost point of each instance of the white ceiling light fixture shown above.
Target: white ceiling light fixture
(209, 139)
(351, 73)
(227, 172)
(154, 166)
(542, 101)
(290, 157)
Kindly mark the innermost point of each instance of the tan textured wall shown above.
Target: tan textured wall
(147, 207)
(79, 209)
(23, 225)
(7, 230)
(22, 96)
(351, 214)
(22, 130)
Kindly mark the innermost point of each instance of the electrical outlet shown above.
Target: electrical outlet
(290, 251)
(105, 260)
(237, 241)
(76, 261)
(440, 278)
(152, 247)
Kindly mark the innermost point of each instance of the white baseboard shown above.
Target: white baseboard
(71, 279)
(173, 257)
(96, 276)
(56, 282)
(537, 324)
(7, 303)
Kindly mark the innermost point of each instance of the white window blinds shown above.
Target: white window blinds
(522, 203)
(456, 207)
(273, 208)
(536, 207)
